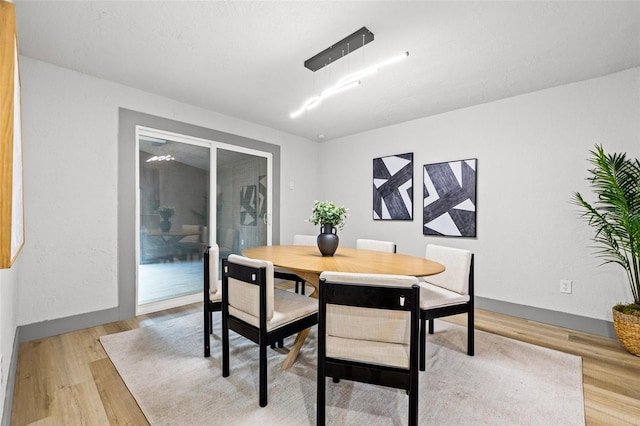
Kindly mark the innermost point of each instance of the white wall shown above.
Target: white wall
(8, 302)
(70, 132)
(531, 153)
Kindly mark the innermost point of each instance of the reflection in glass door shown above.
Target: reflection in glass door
(241, 202)
(174, 185)
(178, 208)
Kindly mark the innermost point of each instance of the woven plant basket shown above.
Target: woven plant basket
(628, 330)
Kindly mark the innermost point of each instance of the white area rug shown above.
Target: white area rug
(506, 383)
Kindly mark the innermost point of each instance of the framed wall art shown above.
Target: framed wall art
(11, 189)
(449, 198)
(393, 187)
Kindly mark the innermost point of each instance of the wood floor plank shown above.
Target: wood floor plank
(79, 404)
(69, 379)
(612, 378)
(34, 388)
(120, 406)
(618, 409)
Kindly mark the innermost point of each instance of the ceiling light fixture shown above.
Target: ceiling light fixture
(371, 69)
(347, 45)
(331, 54)
(315, 100)
(161, 158)
(346, 82)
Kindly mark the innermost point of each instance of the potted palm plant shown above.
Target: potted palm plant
(330, 217)
(615, 217)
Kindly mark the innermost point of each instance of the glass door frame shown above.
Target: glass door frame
(213, 147)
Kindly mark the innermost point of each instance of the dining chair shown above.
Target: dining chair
(368, 332)
(212, 293)
(377, 245)
(447, 293)
(253, 308)
(287, 275)
(193, 244)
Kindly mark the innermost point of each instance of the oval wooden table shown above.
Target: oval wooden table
(308, 264)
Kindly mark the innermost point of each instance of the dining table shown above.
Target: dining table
(308, 263)
(171, 237)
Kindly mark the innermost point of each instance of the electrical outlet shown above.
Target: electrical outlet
(565, 286)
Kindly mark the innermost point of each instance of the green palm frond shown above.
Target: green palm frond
(615, 215)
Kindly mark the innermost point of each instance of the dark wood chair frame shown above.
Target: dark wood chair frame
(368, 297)
(209, 306)
(258, 335)
(445, 311)
(291, 277)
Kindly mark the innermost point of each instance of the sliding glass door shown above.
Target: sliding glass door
(242, 202)
(188, 187)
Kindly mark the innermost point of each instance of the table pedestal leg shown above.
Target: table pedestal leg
(314, 280)
(295, 349)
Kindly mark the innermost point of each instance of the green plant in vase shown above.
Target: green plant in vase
(166, 212)
(330, 217)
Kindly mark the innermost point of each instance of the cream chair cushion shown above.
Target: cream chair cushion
(289, 307)
(380, 353)
(215, 284)
(283, 307)
(377, 245)
(450, 287)
(197, 234)
(377, 336)
(457, 263)
(433, 296)
(244, 297)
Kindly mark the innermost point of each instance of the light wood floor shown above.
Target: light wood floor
(69, 380)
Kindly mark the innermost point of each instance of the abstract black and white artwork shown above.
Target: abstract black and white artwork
(393, 187)
(449, 192)
(248, 206)
(262, 195)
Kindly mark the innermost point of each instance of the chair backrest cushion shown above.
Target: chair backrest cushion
(377, 245)
(381, 325)
(457, 263)
(246, 297)
(214, 258)
(197, 234)
(305, 240)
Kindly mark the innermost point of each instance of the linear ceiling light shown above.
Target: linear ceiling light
(161, 158)
(371, 69)
(346, 82)
(338, 50)
(315, 101)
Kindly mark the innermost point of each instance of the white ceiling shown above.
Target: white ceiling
(245, 58)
